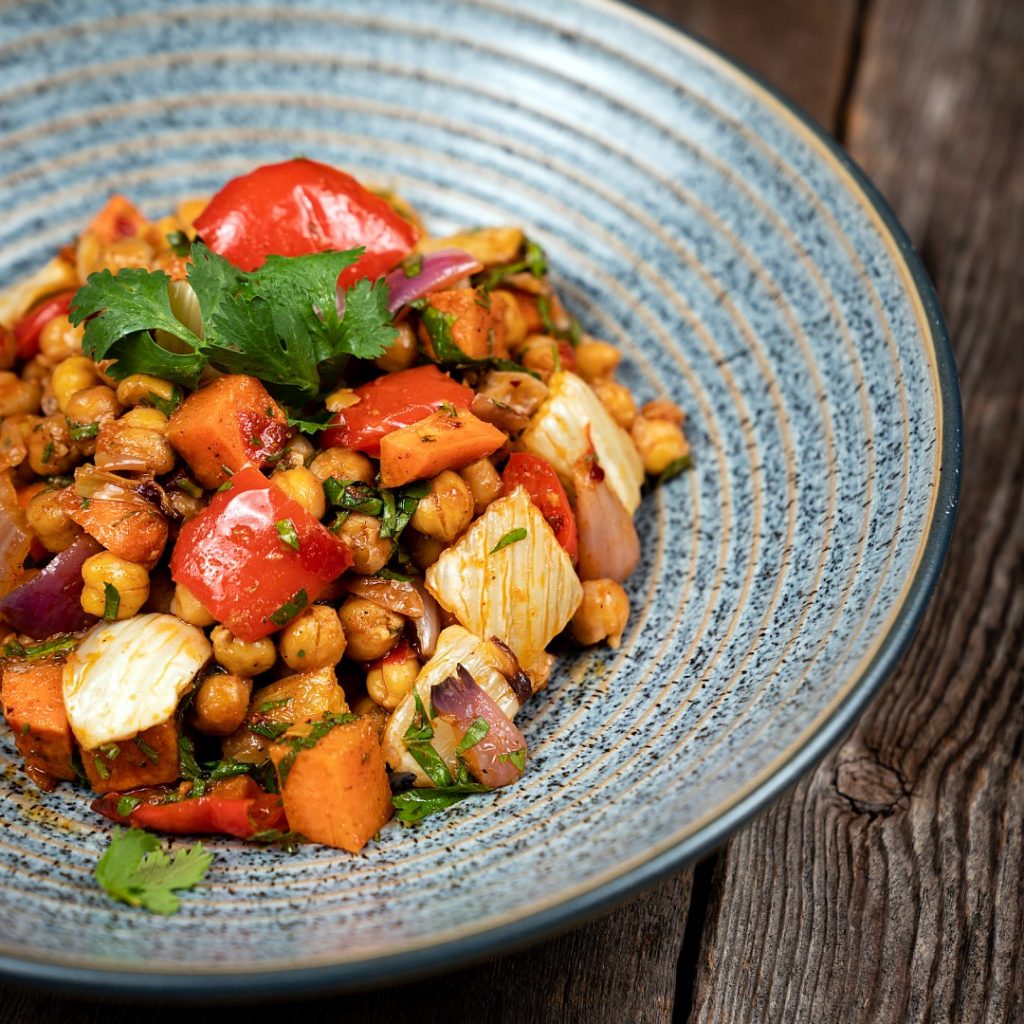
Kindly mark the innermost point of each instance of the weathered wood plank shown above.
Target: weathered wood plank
(619, 968)
(890, 885)
(801, 46)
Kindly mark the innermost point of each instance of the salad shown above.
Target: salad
(294, 498)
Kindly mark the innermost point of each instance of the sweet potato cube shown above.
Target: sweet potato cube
(477, 326)
(150, 759)
(336, 792)
(34, 709)
(118, 219)
(446, 439)
(130, 528)
(226, 425)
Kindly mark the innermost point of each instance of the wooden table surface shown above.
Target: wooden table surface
(889, 885)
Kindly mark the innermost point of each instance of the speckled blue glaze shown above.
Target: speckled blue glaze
(745, 268)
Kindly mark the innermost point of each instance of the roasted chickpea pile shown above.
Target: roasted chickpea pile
(311, 534)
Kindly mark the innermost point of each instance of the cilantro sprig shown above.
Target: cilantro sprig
(280, 322)
(135, 869)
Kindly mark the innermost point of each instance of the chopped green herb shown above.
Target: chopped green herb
(110, 751)
(670, 472)
(311, 425)
(57, 645)
(81, 431)
(286, 531)
(413, 265)
(26, 729)
(518, 534)
(416, 804)
(477, 730)
(533, 261)
(288, 841)
(439, 327)
(111, 602)
(516, 757)
(353, 496)
(136, 870)
(419, 730)
(127, 804)
(47, 452)
(270, 705)
(190, 487)
(432, 764)
(101, 768)
(179, 243)
(147, 751)
(226, 486)
(389, 574)
(269, 730)
(290, 608)
(168, 406)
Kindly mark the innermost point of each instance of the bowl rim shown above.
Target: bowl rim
(600, 897)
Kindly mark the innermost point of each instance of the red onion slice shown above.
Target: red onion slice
(437, 270)
(428, 625)
(498, 757)
(51, 601)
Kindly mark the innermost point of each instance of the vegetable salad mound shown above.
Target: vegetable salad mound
(293, 500)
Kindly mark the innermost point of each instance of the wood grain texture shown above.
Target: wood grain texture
(800, 46)
(890, 885)
(619, 968)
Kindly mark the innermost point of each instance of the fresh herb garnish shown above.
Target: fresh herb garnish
(477, 730)
(353, 496)
(279, 323)
(447, 353)
(416, 804)
(390, 574)
(270, 705)
(515, 757)
(111, 602)
(127, 804)
(290, 608)
(519, 533)
(101, 768)
(190, 487)
(670, 472)
(533, 260)
(413, 265)
(269, 730)
(286, 531)
(168, 406)
(147, 751)
(57, 645)
(313, 424)
(136, 870)
(82, 431)
(179, 243)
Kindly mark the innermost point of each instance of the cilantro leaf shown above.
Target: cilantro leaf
(119, 311)
(366, 330)
(416, 804)
(136, 870)
(518, 534)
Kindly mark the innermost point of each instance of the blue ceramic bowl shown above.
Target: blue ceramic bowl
(747, 270)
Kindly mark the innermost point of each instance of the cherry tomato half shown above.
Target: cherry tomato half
(546, 492)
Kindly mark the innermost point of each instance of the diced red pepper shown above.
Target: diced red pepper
(28, 329)
(242, 817)
(235, 558)
(546, 492)
(391, 402)
(300, 207)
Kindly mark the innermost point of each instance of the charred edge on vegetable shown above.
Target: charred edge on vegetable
(518, 680)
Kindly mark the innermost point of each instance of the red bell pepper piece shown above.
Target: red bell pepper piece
(300, 207)
(29, 328)
(547, 493)
(391, 402)
(235, 556)
(239, 816)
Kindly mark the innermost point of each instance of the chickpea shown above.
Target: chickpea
(143, 389)
(659, 443)
(596, 359)
(145, 418)
(314, 640)
(129, 579)
(59, 340)
(370, 629)
(92, 405)
(447, 509)
(515, 322)
(18, 396)
(185, 506)
(663, 409)
(302, 486)
(603, 613)
(370, 552)
(53, 528)
(50, 448)
(402, 352)
(120, 446)
(425, 550)
(125, 252)
(617, 400)
(71, 375)
(340, 399)
(392, 680)
(342, 464)
(220, 704)
(241, 657)
(539, 353)
(297, 453)
(189, 608)
(484, 483)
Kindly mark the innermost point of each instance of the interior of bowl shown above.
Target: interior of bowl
(690, 218)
